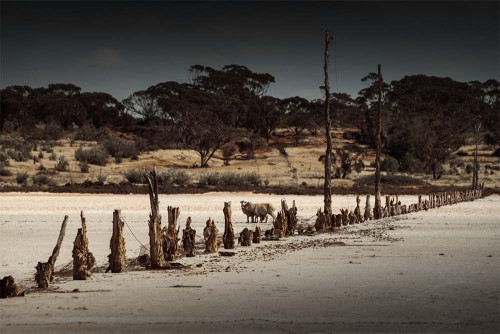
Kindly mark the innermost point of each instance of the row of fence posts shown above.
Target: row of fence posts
(286, 224)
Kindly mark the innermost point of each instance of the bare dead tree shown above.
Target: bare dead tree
(45, 270)
(378, 205)
(327, 188)
(475, 173)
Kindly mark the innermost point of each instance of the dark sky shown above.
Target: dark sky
(121, 47)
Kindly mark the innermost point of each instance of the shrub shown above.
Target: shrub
(394, 180)
(171, 177)
(62, 164)
(135, 176)
(408, 163)
(87, 132)
(469, 168)
(496, 153)
(40, 155)
(53, 156)
(389, 164)
(4, 157)
(42, 179)
(121, 148)
(22, 178)
(22, 153)
(95, 155)
(101, 178)
(230, 179)
(250, 145)
(4, 171)
(462, 153)
(84, 167)
(228, 151)
(41, 167)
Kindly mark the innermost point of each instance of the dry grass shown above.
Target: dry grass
(301, 168)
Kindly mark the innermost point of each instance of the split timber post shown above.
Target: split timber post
(83, 259)
(155, 240)
(45, 270)
(117, 259)
(228, 238)
(211, 237)
(327, 188)
(378, 204)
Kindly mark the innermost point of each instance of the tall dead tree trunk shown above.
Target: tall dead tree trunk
(155, 240)
(45, 270)
(327, 188)
(378, 204)
(83, 259)
(228, 238)
(475, 170)
(170, 235)
(117, 259)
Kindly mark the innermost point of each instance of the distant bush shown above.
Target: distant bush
(462, 153)
(135, 176)
(230, 179)
(96, 155)
(408, 163)
(62, 164)
(53, 156)
(4, 171)
(101, 178)
(390, 165)
(21, 153)
(4, 157)
(86, 132)
(173, 177)
(84, 167)
(469, 168)
(228, 151)
(22, 178)
(496, 153)
(42, 180)
(393, 180)
(120, 148)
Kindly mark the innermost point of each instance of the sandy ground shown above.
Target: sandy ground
(435, 271)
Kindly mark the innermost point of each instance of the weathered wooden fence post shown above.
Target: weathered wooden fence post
(170, 235)
(45, 270)
(188, 239)
(157, 257)
(228, 238)
(83, 259)
(117, 258)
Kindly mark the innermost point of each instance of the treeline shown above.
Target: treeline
(425, 118)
